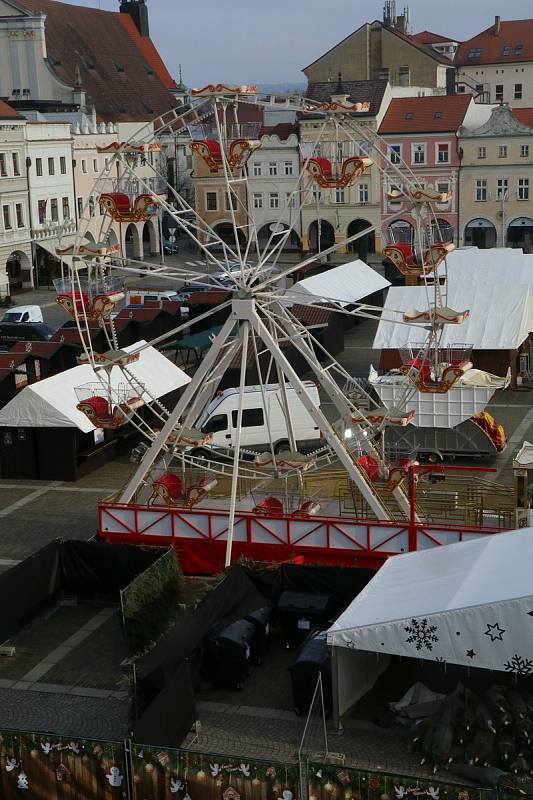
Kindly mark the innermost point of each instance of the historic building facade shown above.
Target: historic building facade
(496, 182)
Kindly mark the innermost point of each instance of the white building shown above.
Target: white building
(273, 171)
(15, 234)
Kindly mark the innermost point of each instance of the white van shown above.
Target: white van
(220, 418)
(23, 314)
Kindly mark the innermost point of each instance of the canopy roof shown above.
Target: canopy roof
(498, 264)
(469, 603)
(51, 403)
(346, 284)
(501, 315)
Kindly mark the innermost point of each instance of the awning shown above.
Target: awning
(51, 403)
(501, 315)
(347, 284)
(469, 603)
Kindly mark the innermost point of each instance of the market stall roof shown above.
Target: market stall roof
(501, 316)
(469, 603)
(499, 264)
(51, 403)
(346, 284)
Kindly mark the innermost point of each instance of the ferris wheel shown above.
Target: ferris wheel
(259, 306)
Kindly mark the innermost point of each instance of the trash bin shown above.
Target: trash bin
(299, 613)
(260, 641)
(314, 659)
(229, 654)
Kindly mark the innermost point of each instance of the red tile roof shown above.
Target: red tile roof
(357, 91)
(6, 112)
(120, 70)
(524, 115)
(432, 114)
(310, 316)
(428, 37)
(209, 298)
(512, 33)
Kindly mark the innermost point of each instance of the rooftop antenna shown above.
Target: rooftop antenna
(407, 16)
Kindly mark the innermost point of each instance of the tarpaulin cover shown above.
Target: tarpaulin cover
(172, 712)
(346, 284)
(100, 567)
(26, 586)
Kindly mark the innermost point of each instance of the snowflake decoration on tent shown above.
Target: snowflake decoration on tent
(421, 634)
(519, 665)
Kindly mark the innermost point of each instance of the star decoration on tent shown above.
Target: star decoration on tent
(470, 653)
(495, 632)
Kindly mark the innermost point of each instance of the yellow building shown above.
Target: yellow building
(496, 181)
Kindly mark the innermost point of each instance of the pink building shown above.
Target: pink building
(421, 143)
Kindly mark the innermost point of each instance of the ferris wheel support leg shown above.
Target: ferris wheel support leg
(317, 415)
(183, 402)
(237, 447)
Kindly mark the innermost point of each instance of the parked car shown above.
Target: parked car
(23, 314)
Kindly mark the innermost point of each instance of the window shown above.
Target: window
(362, 191)
(288, 166)
(19, 215)
(7, 217)
(519, 49)
(482, 152)
(499, 91)
(38, 166)
(273, 200)
(95, 164)
(481, 189)
(395, 153)
(523, 189)
(518, 91)
(251, 417)
(106, 164)
(84, 166)
(502, 191)
(211, 201)
(41, 209)
(92, 205)
(524, 150)
(474, 52)
(384, 74)
(290, 200)
(443, 153)
(443, 188)
(51, 166)
(272, 168)
(404, 76)
(257, 169)
(66, 208)
(409, 115)
(16, 164)
(317, 194)
(418, 153)
(437, 115)
(217, 423)
(53, 209)
(258, 200)
(506, 50)
(3, 168)
(502, 151)
(339, 196)
(63, 165)
(231, 198)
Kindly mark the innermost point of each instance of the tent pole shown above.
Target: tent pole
(336, 724)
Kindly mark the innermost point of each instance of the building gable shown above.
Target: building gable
(12, 9)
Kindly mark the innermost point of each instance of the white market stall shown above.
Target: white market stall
(469, 603)
(346, 284)
(35, 438)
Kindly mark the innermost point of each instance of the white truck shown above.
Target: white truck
(23, 314)
(220, 419)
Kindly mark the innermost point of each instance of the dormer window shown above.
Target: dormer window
(474, 52)
(506, 50)
(437, 115)
(519, 49)
(409, 115)
(119, 67)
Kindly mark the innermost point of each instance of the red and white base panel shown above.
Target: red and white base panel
(199, 536)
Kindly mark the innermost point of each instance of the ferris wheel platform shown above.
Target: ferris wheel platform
(199, 535)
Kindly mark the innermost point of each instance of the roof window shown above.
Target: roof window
(148, 70)
(475, 52)
(55, 62)
(119, 67)
(409, 115)
(519, 49)
(506, 50)
(437, 115)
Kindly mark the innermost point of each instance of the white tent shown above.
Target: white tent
(51, 403)
(498, 264)
(345, 284)
(469, 603)
(501, 315)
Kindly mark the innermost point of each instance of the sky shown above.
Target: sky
(253, 41)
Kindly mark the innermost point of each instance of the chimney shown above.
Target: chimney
(138, 11)
(400, 23)
(497, 25)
